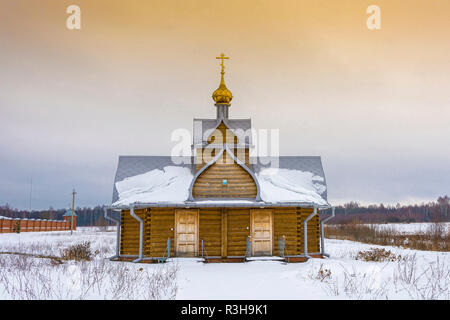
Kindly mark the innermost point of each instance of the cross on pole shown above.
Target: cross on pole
(222, 57)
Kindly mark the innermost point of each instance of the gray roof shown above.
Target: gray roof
(129, 166)
(204, 127)
(311, 164)
(68, 213)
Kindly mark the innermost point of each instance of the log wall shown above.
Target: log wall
(161, 225)
(313, 231)
(238, 229)
(285, 224)
(240, 183)
(218, 137)
(210, 231)
(224, 231)
(129, 233)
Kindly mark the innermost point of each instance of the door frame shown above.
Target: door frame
(252, 211)
(175, 235)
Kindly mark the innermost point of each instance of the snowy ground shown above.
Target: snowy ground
(408, 228)
(422, 275)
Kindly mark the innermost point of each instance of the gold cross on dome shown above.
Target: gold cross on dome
(222, 57)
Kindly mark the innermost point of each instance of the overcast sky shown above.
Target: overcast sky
(374, 104)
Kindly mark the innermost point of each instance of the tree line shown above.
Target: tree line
(86, 216)
(434, 211)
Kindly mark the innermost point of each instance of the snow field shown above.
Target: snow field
(419, 275)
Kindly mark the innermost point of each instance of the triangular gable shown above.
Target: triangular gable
(225, 176)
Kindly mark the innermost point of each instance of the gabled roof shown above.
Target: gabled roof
(311, 164)
(230, 153)
(132, 166)
(204, 127)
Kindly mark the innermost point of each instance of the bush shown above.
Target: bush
(16, 227)
(78, 252)
(323, 274)
(378, 255)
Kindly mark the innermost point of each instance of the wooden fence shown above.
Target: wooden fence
(9, 225)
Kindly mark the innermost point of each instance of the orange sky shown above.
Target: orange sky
(361, 99)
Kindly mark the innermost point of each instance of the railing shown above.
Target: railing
(282, 248)
(166, 254)
(248, 252)
(204, 252)
(281, 245)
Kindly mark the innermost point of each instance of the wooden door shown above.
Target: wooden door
(261, 232)
(186, 233)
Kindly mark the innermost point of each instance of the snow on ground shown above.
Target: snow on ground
(409, 228)
(51, 243)
(423, 275)
(350, 278)
(35, 278)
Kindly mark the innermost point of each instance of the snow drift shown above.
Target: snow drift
(285, 185)
(168, 185)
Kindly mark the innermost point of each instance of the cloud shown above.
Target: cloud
(374, 105)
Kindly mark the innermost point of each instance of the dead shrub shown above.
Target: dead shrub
(323, 274)
(378, 255)
(78, 252)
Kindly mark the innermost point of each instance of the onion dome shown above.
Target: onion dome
(222, 95)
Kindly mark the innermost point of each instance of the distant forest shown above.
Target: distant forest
(85, 216)
(436, 211)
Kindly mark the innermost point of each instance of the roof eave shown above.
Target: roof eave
(218, 203)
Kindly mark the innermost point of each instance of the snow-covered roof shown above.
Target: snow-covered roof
(171, 184)
(279, 185)
(312, 164)
(130, 166)
(160, 181)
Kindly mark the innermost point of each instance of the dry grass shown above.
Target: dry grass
(31, 271)
(435, 238)
(322, 274)
(28, 278)
(79, 252)
(406, 278)
(378, 255)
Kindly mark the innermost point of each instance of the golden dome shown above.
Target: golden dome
(222, 95)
